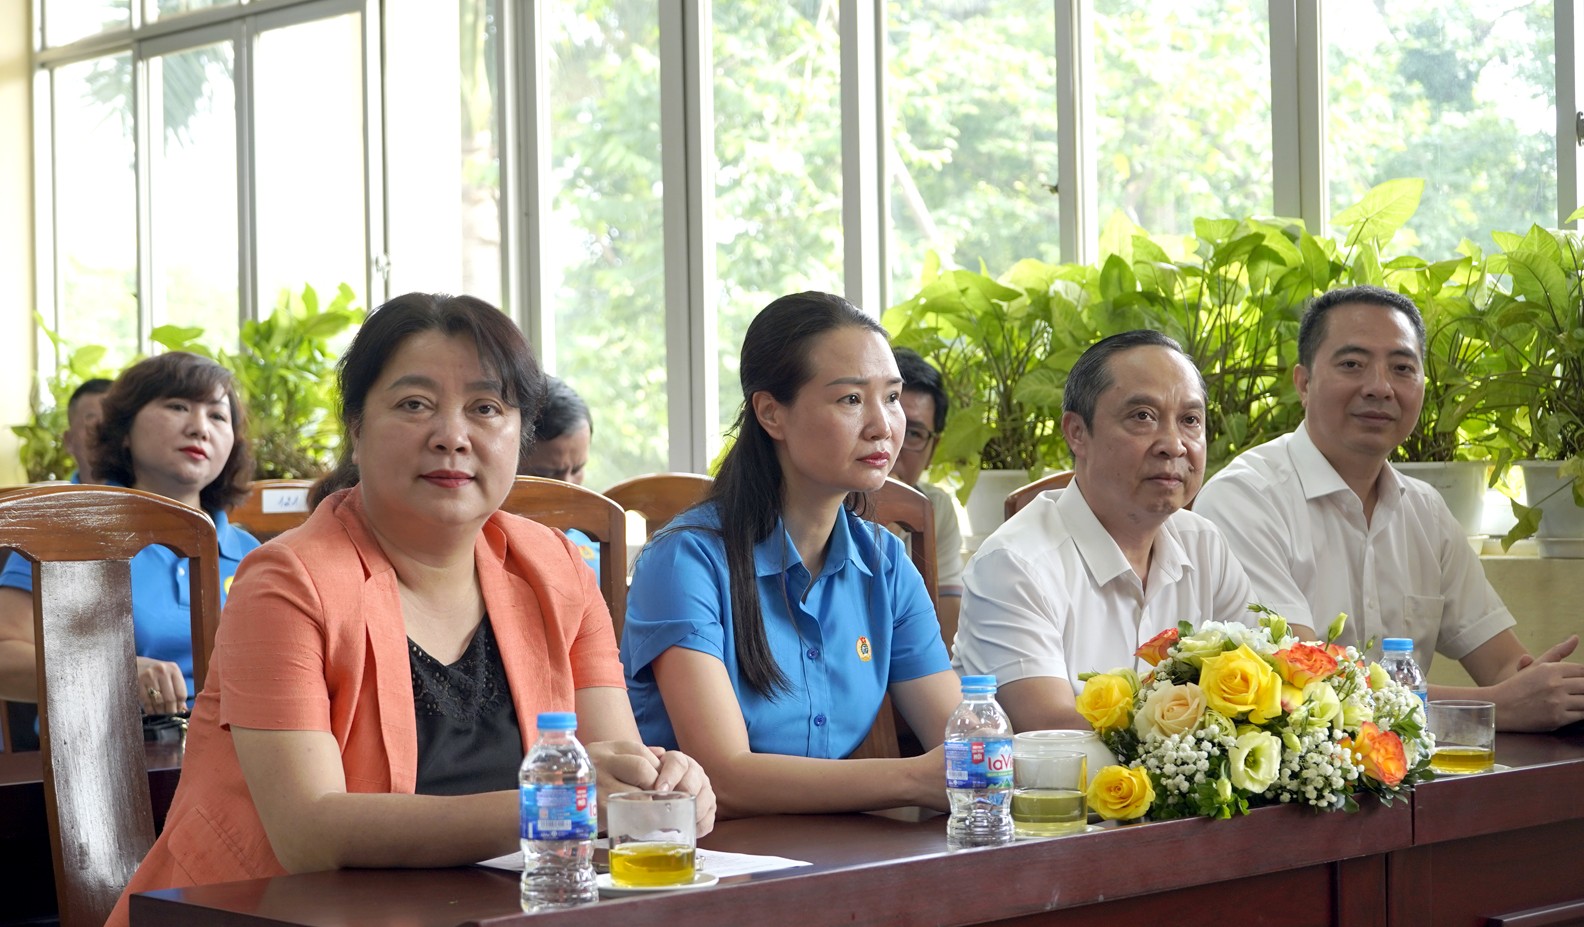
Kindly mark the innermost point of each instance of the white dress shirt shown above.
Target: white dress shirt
(1051, 594)
(1302, 537)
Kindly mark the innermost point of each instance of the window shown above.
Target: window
(193, 191)
(96, 205)
(778, 191)
(309, 159)
(1183, 111)
(1460, 93)
(972, 163)
(604, 249)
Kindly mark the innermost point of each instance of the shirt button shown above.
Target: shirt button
(819, 720)
(813, 653)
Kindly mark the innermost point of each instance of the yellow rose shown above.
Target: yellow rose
(1106, 701)
(1118, 793)
(1240, 682)
(1170, 710)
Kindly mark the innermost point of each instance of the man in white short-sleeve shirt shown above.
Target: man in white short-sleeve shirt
(1081, 577)
(1324, 525)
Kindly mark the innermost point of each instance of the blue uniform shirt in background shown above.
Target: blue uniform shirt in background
(587, 547)
(865, 623)
(161, 615)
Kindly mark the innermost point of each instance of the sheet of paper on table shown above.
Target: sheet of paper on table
(715, 862)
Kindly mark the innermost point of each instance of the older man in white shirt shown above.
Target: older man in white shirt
(1324, 525)
(1081, 577)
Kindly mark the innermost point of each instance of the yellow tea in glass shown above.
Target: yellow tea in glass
(652, 839)
(1047, 787)
(1465, 735)
(647, 865)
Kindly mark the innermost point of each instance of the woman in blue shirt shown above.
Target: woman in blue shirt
(765, 625)
(172, 425)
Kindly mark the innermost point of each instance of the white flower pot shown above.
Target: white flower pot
(986, 504)
(1460, 482)
(1561, 531)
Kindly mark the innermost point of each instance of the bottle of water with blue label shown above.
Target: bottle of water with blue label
(979, 768)
(1397, 660)
(560, 814)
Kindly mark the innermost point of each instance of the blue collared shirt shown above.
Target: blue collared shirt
(865, 622)
(161, 615)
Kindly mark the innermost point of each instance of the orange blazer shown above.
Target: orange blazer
(313, 639)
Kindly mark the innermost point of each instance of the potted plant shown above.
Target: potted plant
(1539, 328)
(44, 456)
(1003, 347)
(286, 371)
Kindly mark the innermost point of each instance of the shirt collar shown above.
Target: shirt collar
(1318, 478)
(1100, 551)
(776, 554)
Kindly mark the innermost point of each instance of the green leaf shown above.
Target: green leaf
(1528, 523)
(1382, 211)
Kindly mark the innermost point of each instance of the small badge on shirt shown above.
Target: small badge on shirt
(865, 652)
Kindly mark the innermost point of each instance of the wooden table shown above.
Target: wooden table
(28, 874)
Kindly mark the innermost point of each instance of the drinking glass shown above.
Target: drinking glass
(652, 838)
(1048, 779)
(1465, 735)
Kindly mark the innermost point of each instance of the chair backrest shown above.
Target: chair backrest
(1025, 494)
(897, 503)
(660, 497)
(555, 504)
(272, 507)
(81, 540)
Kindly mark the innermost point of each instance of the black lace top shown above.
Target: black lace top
(468, 736)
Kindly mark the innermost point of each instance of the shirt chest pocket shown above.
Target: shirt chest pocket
(1422, 615)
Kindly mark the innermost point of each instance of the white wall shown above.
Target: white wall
(16, 231)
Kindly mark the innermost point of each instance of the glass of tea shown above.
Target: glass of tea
(1465, 736)
(652, 838)
(1048, 779)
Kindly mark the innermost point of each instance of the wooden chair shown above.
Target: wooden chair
(1025, 494)
(559, 505)
(81, 540)
(897, 503)
(660, 497)
(272, 507)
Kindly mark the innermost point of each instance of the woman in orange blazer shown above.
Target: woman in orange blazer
(378, 671)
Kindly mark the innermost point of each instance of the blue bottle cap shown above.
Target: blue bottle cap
(557, 721)
(1391, 644)
(979, 683)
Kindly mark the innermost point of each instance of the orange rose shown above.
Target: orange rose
(1154, 649)
(1302, 664)
(1380, 752)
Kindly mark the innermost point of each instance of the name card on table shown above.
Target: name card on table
(284, 500)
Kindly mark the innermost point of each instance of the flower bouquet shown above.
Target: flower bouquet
(1233, 717)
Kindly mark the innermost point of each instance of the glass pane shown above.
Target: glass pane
(444, 209)
(1459, 93)
(96, 206)
(972, 161)
(165, 9)
(1183, 111)
(193, 193)
(67, 21)
(309, 159)
(604, 244)
(778, 189)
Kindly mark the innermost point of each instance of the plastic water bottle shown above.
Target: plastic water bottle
(979, 768)
(560, 814)
(1397, 660)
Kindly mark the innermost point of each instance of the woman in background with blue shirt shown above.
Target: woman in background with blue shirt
(765, 625)
(172, 425)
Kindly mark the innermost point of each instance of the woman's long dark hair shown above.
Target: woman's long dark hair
(748, 488)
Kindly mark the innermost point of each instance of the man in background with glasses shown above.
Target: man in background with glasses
(924, 403)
